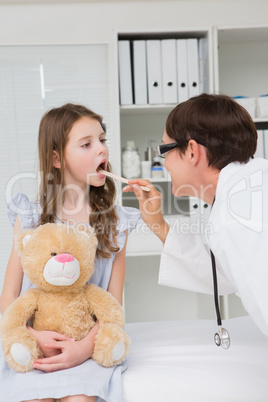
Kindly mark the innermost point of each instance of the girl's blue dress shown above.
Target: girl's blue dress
(88, 378)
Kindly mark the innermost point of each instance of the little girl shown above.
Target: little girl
(72, 149)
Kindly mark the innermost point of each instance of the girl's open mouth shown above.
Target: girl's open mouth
(102, 166)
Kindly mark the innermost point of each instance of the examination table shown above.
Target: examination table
(178, 361)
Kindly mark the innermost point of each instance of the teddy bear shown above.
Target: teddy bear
(59, 261)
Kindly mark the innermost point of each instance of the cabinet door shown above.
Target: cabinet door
(34, 79)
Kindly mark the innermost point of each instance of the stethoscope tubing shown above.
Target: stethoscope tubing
(222, 338)
(215, 286)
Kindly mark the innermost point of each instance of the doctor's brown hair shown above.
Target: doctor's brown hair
(218, 123)
(54, 129)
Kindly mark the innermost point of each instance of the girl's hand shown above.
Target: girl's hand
(45, 337)
(150, 204)
(71, 354)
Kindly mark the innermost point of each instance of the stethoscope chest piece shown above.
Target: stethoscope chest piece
(222, 338)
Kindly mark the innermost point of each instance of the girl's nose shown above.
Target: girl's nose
(63, 258)
(102, 148)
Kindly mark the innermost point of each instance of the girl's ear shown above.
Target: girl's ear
(56, 160)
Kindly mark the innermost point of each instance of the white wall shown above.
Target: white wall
(83, 23)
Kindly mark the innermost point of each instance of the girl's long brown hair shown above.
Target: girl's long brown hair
(54, 129)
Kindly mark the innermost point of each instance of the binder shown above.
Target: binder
(182, 70)
(203, 65)
(154, 71)
(140, 72)
(265, 143)
(125, 74)
(169, 70)
(193, 67)
(260, 145)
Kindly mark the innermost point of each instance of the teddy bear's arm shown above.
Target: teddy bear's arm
(19, 345)
(19, 312)
(104, 306)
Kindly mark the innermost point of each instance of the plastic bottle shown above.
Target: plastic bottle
(157, 169)
(131, 163)
(149, 153)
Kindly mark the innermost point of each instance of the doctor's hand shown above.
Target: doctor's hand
(150, 205)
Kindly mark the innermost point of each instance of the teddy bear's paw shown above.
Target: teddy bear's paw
(118, 351)
(20, 349)
(111, 345)
(20, 354)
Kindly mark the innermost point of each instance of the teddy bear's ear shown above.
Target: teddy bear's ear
(22, 239)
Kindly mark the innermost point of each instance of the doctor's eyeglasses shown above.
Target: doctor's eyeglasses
(164, 148)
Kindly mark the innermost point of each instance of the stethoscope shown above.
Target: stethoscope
(222, 337)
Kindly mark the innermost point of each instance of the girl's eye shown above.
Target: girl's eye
(103, 140)
(86, 145)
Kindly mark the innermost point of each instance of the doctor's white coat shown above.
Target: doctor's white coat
(238, 237)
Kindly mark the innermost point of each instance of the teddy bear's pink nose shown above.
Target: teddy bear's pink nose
(63, 258)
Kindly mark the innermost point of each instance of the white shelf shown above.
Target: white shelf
(143, 253)
(155, 180)
(156, 109)
(158, 180)
(260, 120)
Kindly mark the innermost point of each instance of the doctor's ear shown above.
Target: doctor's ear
(193, 150)
(56, 160)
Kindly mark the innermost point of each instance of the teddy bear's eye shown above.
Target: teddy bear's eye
(53, 254)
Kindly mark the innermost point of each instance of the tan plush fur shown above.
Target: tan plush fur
(68, 309)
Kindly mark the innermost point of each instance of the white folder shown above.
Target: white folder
(193, 67)
(203, 65)
(154, 71)
(265, 143)
(125, 75)
(169, 70)
(140, 72)
(182, 70)
(260, 145)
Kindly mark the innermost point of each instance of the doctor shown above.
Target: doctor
(208, 146)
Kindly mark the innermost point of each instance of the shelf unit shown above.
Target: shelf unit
(238, 65)
(143, 123)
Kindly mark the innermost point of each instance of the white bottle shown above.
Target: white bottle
(157, 168)
(131, 163)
